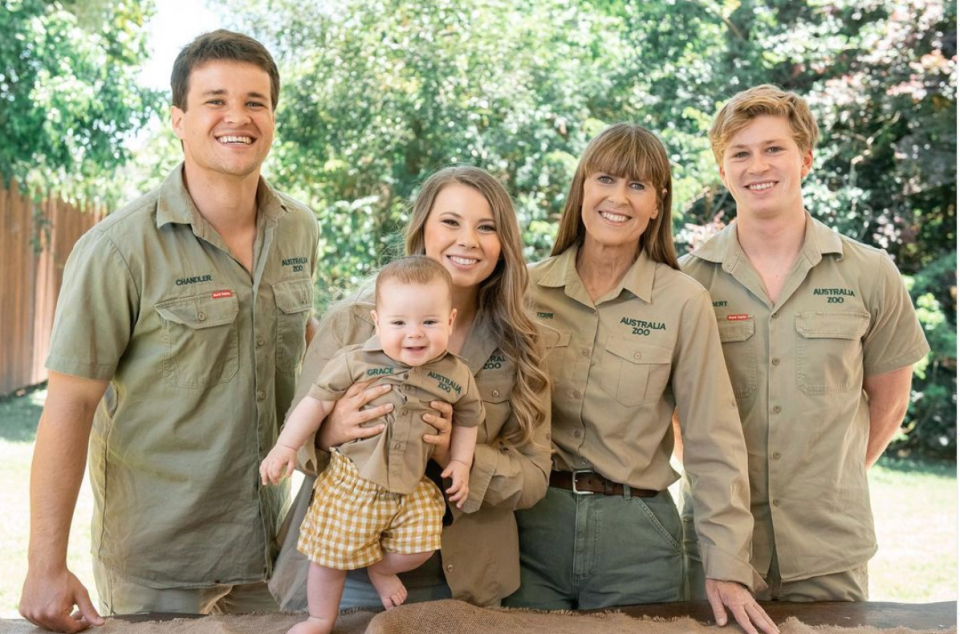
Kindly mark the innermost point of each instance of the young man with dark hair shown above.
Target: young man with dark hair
(179, 333)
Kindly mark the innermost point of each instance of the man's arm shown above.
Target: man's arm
(51, 591)
(889, 396)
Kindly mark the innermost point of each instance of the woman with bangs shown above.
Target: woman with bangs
(463, 218)
(634, 339)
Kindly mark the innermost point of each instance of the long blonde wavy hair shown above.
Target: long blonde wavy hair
(625, 150)
(500, 297)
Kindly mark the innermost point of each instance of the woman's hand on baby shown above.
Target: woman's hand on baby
(443, 424)
(345, 421)
(278, 464)
(459, 474)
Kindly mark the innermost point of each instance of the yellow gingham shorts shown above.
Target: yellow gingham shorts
(352, 522)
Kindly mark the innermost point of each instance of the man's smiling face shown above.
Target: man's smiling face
(763, 168)
(227, 127)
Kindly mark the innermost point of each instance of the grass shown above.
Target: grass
(914, 502)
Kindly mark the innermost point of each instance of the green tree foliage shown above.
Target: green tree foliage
(379, 93)
(68, 91)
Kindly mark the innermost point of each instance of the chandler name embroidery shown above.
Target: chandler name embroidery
(444, 383)
(834, 295)
(642, 328)
(296, 263)
(183, 281)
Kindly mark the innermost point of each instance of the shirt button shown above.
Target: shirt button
(776, 455)
(575, 394)
(585, 352)
(777, 409)
(398, 446)
(774, 315)
(577, 433)
(775, 361)
(449, 567)
(637, 355)
(261, 341)
(202, 316)
(495, 393)
(261, 395)
(776, 502)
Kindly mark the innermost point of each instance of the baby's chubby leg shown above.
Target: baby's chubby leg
(324, 589)
(383, 576)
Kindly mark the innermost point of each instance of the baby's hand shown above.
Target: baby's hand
(278, 465)
(459, 473)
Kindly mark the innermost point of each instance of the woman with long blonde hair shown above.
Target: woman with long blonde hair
(464, 219)
(636, 338)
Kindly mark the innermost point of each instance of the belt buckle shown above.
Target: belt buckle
(573, 481)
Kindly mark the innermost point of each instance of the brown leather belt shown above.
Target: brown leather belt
(587, 482)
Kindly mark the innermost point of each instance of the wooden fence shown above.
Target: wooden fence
(35, 240)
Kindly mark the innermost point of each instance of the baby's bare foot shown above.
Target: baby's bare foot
(391, 590)
(313, 625)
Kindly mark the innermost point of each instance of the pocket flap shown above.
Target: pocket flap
(821, 325)
(639, 353)
(554, 338)
(735, 330)
(200, 311)
(294, 296)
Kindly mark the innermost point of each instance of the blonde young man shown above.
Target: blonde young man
(178, 336)
(820, 339)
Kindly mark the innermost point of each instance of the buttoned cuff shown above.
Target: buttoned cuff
(722, 566)
(485, 460)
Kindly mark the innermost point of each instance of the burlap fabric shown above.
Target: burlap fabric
(440, 617)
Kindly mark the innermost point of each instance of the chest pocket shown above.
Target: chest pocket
(829, 351)
(556, 343)
(634, 373)
(740, 354)
(201, 340)
(294, 300)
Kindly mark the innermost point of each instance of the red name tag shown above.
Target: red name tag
(221, 294)
(740, 317)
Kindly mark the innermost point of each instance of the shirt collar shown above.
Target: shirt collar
(176, 206)
(818, 240)
(638, 279)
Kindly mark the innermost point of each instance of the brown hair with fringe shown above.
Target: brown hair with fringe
(221, 45)
(624, 150)
(500, 297)
(766, 99)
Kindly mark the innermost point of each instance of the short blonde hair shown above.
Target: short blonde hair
(415, 269)
(758, 101)
(625, 150)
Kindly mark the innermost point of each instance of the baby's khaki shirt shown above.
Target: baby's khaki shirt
(797, 368)
(619, 367)
(397, 458)
(480, 552)
(202, 358)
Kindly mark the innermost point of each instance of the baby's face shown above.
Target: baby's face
(414, 321)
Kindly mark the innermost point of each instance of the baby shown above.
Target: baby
(372, 506)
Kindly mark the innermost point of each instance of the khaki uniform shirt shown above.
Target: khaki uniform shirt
(619, 368)
(397, 458)
(202, 358)
(480, 553)
(797, 368)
